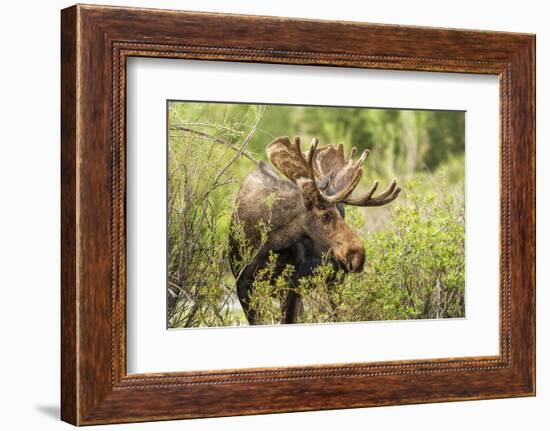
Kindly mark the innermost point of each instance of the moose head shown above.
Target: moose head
(326, 180)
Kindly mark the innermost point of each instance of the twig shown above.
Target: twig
(243, 146)
(217, 139)
(215, 126)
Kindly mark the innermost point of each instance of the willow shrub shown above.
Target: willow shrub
(414, 269)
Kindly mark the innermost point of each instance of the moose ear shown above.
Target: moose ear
(284, 156)
(308, 203)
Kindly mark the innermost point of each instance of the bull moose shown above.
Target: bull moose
(306, 217)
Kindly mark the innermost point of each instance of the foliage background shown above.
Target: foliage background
(414, 246)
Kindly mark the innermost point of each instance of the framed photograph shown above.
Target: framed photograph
(264, 215)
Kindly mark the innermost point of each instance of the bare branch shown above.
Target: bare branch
(217, 139)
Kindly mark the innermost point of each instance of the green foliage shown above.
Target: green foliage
(418, 264)
(269, 291)
(414, 247)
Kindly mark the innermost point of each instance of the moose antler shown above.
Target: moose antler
(299, 169)
(330, 165)
(330, 162)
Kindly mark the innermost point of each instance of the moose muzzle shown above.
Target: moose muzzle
(355, 260)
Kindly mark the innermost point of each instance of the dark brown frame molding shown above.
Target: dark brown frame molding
(95, 43)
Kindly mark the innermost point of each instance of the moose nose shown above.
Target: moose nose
(355, 260)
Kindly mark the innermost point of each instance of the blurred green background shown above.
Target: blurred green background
(423, 231)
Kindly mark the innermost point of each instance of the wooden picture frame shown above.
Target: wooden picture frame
(95, 43)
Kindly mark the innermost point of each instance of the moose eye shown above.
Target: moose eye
(326, 218)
